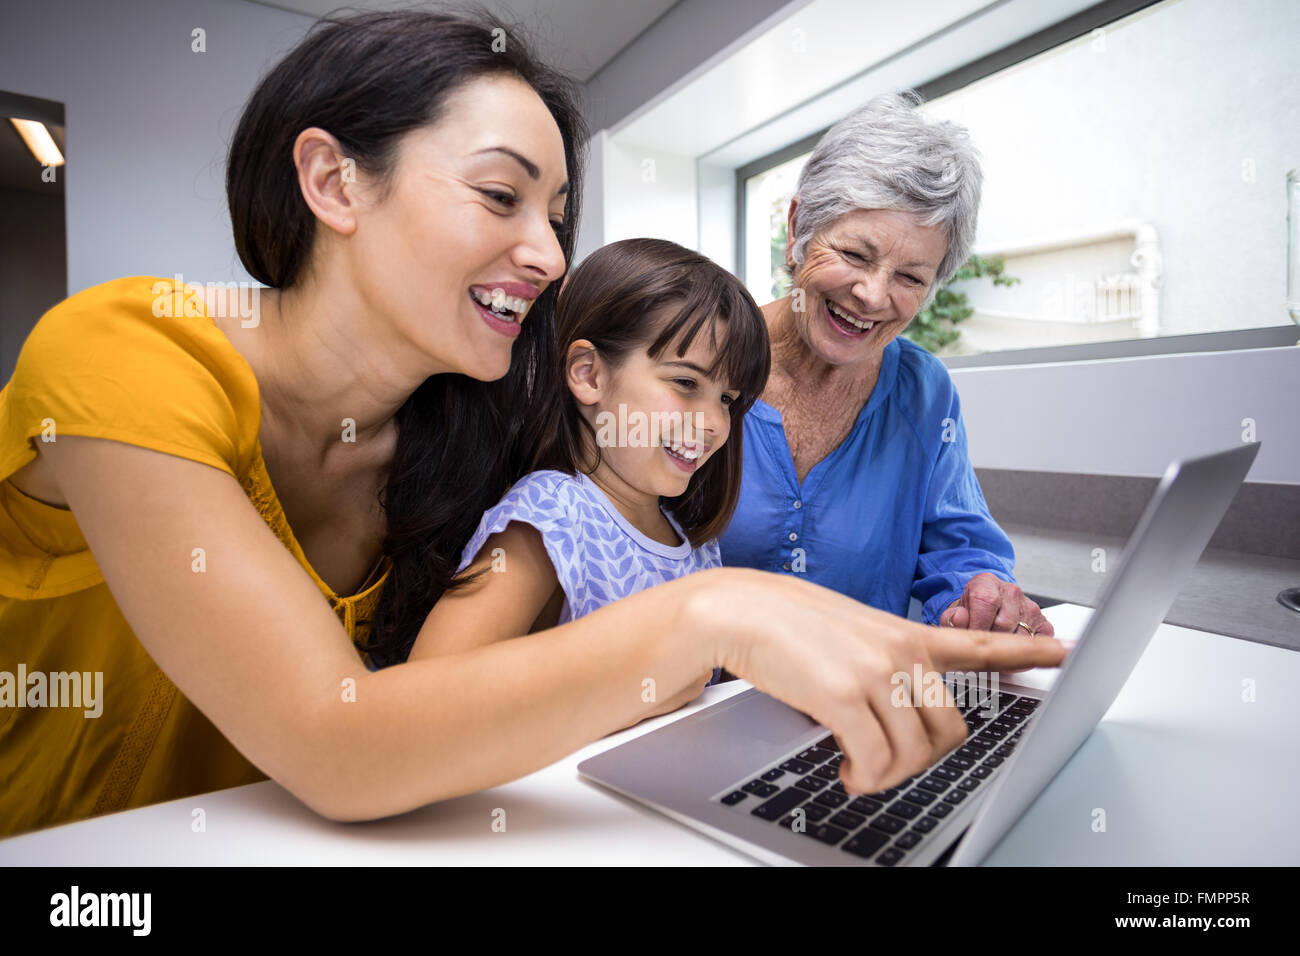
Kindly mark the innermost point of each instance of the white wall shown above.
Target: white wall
(148, 121)
(649, 192)
(1134, 416)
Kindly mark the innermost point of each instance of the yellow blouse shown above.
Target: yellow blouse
(104, 364)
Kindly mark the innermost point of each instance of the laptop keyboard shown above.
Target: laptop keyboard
(802, 792)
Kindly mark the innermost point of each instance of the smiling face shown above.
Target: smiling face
(864, 278)
(454, 256)
(674, 398)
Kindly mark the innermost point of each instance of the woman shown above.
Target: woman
(856, 470)
(183, 484)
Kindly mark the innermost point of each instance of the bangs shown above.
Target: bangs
(724, 311)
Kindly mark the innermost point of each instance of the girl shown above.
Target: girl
(662, 353)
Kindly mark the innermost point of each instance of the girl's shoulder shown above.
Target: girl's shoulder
(545, 487)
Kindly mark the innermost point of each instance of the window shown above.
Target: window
(1135, 181)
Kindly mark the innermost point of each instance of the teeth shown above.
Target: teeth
(682, 452)
(848, 318)
(498, 301)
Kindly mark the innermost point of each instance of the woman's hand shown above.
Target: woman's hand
(851, 667)
(991, 604)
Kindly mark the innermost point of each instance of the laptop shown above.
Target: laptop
(763, 778)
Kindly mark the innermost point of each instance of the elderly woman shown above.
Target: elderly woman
(857, 475)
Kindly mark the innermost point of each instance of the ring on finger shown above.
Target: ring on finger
(1028, 629)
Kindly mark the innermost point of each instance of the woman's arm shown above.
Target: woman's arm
(517, 585)
(505, 603)
(252, 643)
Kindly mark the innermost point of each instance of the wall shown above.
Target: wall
(148, 121)
(1134, 416)
(679, 41)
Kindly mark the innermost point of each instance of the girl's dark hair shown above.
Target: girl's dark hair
(614, 300)
(368, 80)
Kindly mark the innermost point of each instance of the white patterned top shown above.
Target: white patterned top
(598, 555)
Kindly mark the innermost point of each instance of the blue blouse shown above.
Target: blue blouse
(894, 512)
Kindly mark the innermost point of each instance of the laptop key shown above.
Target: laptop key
(982, 771)
(992, 761)
(814, 812)
(934, 784)
(826, 833)
(811, 784)
(865, 844)
(838, 787)
(908, 840)
(865, 805)
(887, 824)
(941, 810)
(970, 783)
(774, 774)
(890, 857)
(951, 770)
(901, 808)
(783, 803)
(952, 796)
(827, 772)
(972, 751)
(831, 799)
(796, 766)
(848, 819)
(925, 824)
(753, 786)
(830, 743)
(734, 798)
(922, 798)
(815, 755)
(804, 819)
(884, 795)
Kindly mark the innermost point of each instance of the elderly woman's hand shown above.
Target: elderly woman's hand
(991, 604)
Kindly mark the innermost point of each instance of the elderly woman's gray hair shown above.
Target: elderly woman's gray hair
(886, 155)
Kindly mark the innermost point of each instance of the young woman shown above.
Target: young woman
(205, 508)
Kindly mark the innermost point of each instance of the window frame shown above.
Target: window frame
(1071, 28)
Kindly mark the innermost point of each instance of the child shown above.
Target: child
(663, 352)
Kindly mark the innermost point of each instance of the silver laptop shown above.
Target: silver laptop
(763, 778)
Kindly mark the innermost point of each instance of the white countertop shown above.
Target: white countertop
(1186, 771)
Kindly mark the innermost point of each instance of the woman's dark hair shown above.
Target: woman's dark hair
(368, 80)
(617, 299)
